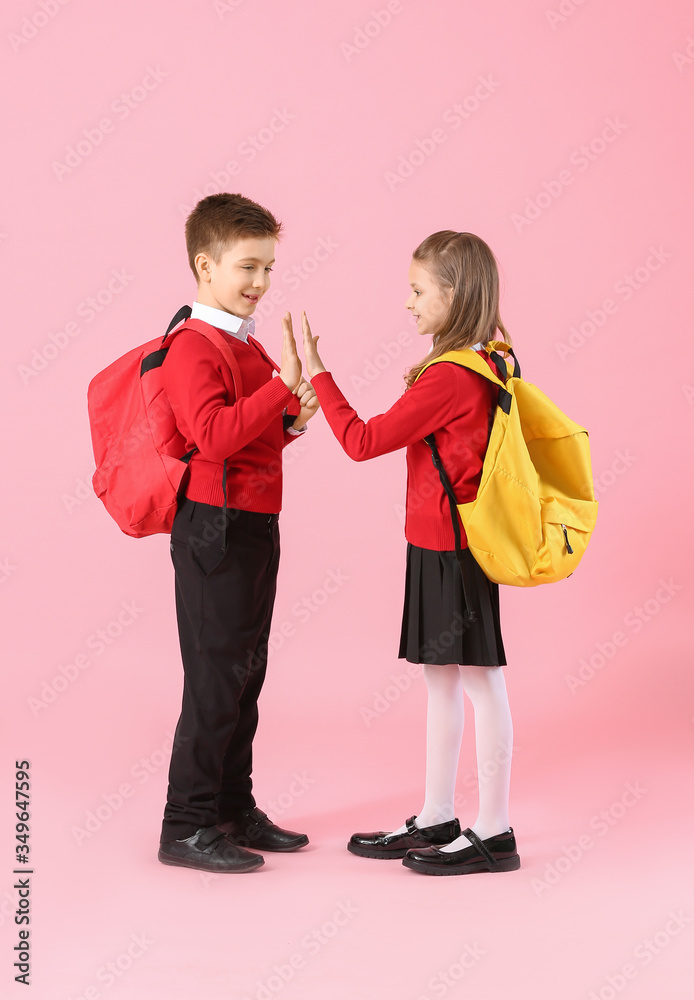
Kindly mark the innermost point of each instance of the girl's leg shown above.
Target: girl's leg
(486, 689)
(445, 719)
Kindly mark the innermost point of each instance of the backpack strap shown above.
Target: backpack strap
(212, 334)
(475, 362)
(469, 358)
(493, 348)
(470, 614)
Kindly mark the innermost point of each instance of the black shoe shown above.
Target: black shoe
(495, 854)
(252, 828)
(209, 850)
(396, 845)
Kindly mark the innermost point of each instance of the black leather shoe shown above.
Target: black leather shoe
(396, 845)
(495, 854)
(209, 850)
(252, 828)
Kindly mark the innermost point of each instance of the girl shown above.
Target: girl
(455, 301)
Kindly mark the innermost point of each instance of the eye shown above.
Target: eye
(269, 269)
(417, 292)
(247, 267)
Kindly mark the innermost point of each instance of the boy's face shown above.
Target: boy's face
(238, 282)
(428, 303)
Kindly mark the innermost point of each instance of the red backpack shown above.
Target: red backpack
(138, 449)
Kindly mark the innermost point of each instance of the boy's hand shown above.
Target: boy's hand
(310, 406)
(290, 370)
(314, 365)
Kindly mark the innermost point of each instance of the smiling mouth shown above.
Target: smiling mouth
(251, 298)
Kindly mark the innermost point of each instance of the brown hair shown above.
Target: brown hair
(220, 219)
(463, 262)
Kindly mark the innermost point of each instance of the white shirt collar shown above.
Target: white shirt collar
(234, 325)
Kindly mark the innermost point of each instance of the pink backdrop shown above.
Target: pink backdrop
(558, 131)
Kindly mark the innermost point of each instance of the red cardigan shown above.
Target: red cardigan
(451, 401)
(248, 432)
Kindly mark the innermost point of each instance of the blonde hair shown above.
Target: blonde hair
(463, 262)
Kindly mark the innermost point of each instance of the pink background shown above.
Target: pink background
(354, 96)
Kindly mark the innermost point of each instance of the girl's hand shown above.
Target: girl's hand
(290, 370)
(314, 365)
(310, 406)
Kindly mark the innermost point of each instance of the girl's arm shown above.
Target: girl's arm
(428, 405)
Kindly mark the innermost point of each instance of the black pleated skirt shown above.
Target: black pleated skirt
(433, 626)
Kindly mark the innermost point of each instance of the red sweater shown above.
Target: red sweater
(451, 401)
(248, 432)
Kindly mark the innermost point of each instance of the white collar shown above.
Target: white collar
(224, 320)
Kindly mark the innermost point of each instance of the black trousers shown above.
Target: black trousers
(224, 604)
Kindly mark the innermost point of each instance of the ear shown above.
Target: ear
(202, 266)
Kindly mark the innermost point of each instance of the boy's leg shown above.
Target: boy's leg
(221, 608)
(236, 785)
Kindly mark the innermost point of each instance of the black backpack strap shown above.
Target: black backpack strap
(470, 615)
(500, 365)
(183, 313)
(156, 359)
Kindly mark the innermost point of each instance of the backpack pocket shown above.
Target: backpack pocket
(567, 525)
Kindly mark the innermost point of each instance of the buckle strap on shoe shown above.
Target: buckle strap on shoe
(411, 828)
(209, 837)
(479, 845)
(254, 815)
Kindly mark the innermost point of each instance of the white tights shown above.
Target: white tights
(447, 684)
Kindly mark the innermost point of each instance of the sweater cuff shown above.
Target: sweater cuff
(326, 389)
(276, 393)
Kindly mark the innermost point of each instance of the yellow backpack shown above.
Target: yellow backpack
(535, 508)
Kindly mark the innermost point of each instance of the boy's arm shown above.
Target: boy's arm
(197, 392)
(290, 432)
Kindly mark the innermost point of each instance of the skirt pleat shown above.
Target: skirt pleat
(432, 620)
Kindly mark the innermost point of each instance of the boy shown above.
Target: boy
(226, 556)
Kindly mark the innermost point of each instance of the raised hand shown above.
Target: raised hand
(290, 369)
(314, 365)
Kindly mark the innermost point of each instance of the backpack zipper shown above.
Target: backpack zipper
(566, 539)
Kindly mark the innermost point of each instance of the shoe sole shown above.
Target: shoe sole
(252, 845)
(186, 863)
(427, 868)
(281, 850)
(364, 852)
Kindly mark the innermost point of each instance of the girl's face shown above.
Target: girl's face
(429, 302)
